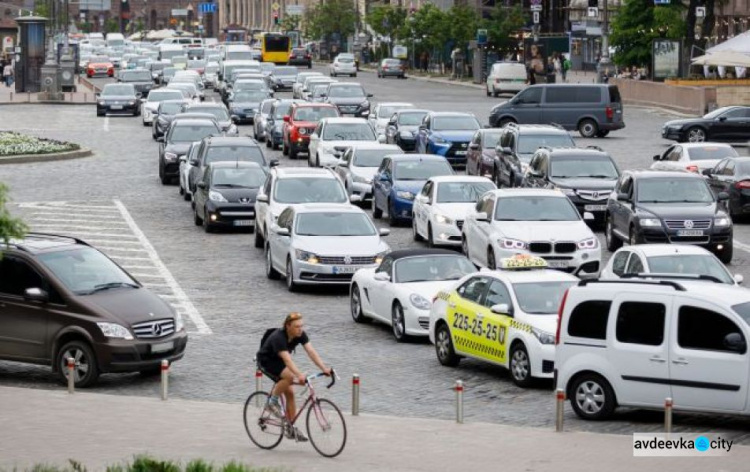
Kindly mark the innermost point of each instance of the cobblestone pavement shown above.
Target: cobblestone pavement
(221, 275)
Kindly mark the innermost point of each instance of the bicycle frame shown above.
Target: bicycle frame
(310, 400)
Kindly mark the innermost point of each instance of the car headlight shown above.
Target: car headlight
(722, 222)
(308, 257)
(170, 156)
(543, 336)
(420, 302)
(590, 243)
(567, 191)
(131, 102)
(100, 103)
(406, 134)
(650, 222)
(508, 243)
(365, 104)
(438, 139)
(215, 196)
(360, 179)
(114, 330)
(442, 219)
(675, 127)
(179, 323)
(302, 131)
(405, 195)
(379, 257)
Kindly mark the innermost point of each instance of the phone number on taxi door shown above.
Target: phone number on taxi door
(477, 328)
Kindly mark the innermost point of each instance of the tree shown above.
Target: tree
(41, 8)
(502, 25)
(111, 26)
(638, 23)
(291, 22)
(329, 18)
(464, 22)
(387, 20)
(10, 227)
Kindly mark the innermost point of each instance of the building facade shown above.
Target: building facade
(258, 15)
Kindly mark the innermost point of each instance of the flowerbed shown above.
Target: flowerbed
(15, 144)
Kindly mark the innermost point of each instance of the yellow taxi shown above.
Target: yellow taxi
(506, 316)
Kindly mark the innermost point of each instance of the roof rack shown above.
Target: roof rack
(591, 146)
(666, 275)
(668, 283)
(39, 235)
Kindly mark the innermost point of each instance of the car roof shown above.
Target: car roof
(206, 105)
(415, 157)
(537, 129)
(193, 121)
(402, 253)
(298, 104)
(36, 243)
(528, 192)
(660, 174)
(235, 164)
(530, 275)
(342, 119)
(291, 172)
(575, 151)
(193, 116)
(721, 294)
(413, 110)
(703, 145)
(451, 113)
(232, 141)
(375, 145)
(395, 104)
(654, 250)
(321, 207)
(458, 178)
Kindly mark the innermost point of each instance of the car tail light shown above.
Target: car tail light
(307, 56)
(692, 168)
(610, 113)
(292, 56)
(559, 316)
(742, 185)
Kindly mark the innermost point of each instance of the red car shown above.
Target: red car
(100, 65)
(300, 123)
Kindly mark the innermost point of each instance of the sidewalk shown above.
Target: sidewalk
(83, 95)
(51, 426)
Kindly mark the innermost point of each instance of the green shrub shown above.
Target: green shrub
(199, 465)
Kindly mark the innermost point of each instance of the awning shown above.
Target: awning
(723, 58)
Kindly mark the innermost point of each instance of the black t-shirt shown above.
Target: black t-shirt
(278, 342)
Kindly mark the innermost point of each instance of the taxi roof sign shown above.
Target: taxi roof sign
(523, 262)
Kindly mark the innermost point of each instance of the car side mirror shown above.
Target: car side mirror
(722, 118)
(262, 198)
(722, 196)
(36, 294)
(287, 118)
(474, 146)
(369, 95)
(384, 231)
(382, 277)
(273, 163)
(281, 231)
(707, 172)
(201, 185)
(235, 119)
(482, 217)
(739, 278)
(501, 309)
(588, 216)
(735, 342)
(160, 139)
(355, 199)
(381, 139)
(657, 157)
(194, 162)
(138, 95)
(623, 197)
(505, 150)
(423, 199)
(183, 158)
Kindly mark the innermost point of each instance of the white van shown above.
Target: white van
(167, 52)
(237, 52)
(115, 40)
(506, 77)
(639, 342)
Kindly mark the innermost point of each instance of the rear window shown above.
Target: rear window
(614, 94)
(589, 319)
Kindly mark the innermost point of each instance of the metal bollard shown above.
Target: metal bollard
(459, 401)
(355, 395)
(258, 386)
(71, 375)
(668, 404)
(560, 409)
(164, 378)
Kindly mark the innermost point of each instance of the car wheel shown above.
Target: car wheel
(186, 196)
(392, 219)
(292, 153)
(290, 284)
(588, 128)
(602, 133)
(196, 219)
(495, 93)
(496, 177)
(85, 371)
(207, 226)
(491, 263)
(398, 323)
(613, 242)
(145, 124)
(377, 213)
(258, 238)
(634, 238)
(520, 366)
(153, 134)
(592, 398)
(696, 135)
(725, 255)
(487, 90)
(271, 273)
(268, 143)
(182, 189)
(317, 160)
(355, 305)
(444, 347)
(284, 149)
(354, 75)
(430, 237)
(414, 233)
(505, 121)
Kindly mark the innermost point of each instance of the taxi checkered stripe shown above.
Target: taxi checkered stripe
(521, 326)
(443, 296)
(475, 346)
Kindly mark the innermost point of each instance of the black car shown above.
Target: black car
(245, 104)
(283, 77)
(300, 57)
(226, 195)
(518, 144)
(668, 207)
(349, 97)
(732, 176)
(403, 126)
(165, 113)
(218, 111)
(586, 175)
(177, 142)
(275, 122)
(141, 79)
(723, 124)
(118, 98)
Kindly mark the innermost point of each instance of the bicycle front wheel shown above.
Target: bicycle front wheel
(264, 428)
(326, 428)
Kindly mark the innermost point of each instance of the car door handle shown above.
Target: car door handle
(680, 362)
(658, 359)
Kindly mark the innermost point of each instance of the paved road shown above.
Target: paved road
(116, 200)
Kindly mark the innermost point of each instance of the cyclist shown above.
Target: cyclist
(275, 360)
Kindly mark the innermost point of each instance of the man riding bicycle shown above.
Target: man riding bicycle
(275, 360)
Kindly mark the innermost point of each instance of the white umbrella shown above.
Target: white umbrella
(723, 58)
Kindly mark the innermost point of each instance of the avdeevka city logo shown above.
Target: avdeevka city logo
(702, 443)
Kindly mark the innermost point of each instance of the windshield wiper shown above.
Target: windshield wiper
(538, 312)
(231, 185)
(107, 286)
(601, 177)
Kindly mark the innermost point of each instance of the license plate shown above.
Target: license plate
(595, 207)
(689, 232)
(116, 107)
(345, 269)
(557, 264)
(460, 153)
(243, 222)
(162, 347)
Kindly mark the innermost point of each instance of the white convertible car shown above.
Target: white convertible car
(400, 291)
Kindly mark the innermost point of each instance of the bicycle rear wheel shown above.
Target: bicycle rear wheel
(326, 428)
(265, 429)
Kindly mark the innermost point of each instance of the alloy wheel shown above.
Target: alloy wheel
(590, 397)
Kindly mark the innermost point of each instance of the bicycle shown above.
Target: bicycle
(331, 427)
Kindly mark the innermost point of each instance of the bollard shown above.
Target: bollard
(668, 404)
(71, 375)
(164, 378)
(459, 401)
(560, 409)
(258, 386)
(355, 395)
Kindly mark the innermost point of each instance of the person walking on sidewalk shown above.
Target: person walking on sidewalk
(8, 74)
(275, 360)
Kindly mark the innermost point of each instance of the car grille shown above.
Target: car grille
(154, 329)
(548, 366)
(249, 111)
(544, 247)
(460, 224)
(689, 239)
(688, 224)
(457, 147)
(349, 108)
(424, 323)
(594, 195)
(565, 247)
(339, 260)
(540, 247)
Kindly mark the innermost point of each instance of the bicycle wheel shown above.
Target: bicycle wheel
(326, 427)
(265, 429)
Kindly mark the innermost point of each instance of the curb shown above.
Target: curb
(433, 80)
(59, 156)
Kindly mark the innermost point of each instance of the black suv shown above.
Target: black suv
(517, 145)
(586, 175)
(668, 207)
(62, 298)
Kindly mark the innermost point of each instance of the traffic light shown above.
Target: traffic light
(593, 3)
(275, 18)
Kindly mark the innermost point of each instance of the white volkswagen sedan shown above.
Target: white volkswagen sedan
(382, 113)
(151, 104)
(333, 136)
(539, 222)
(693, 157)
(400, 291)
(359, 164)
(442, 206)
(323, 243)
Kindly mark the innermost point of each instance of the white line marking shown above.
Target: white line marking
(57, 225)
(52, 213)
(141, 274)
(113, 248)
(743, 246)
(128, 258)
(109, 241)
(66, 205)
(190, 309)
(129, 267)
(105, 126)
(85, 234)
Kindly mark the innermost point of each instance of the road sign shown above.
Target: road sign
(295, 9)
(592, 12)
(536, 5)
(179, 12)
(661, 2)
(275, 7)
(207, 7)
(536, 17)
(700, 12)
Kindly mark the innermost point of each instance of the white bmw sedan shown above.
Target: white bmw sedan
(151, 104)
(323, 243)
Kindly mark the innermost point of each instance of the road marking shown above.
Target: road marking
(105, 126)
(743, 246)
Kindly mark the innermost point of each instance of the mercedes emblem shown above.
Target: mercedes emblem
(156, 329)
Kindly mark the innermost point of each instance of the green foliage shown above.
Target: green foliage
(638, 23)
(332, 16)
(111, 26)
(463, 22)
(149, 464)
(387, 20)
(503, 24)
(10, 227)
(199, 465)
(291, 22)
(41, 8)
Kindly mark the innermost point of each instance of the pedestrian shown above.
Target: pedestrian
(425, 60)
(8, 74)
(566, 67)
(557, 65)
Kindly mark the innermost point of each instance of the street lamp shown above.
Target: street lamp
(604, 62)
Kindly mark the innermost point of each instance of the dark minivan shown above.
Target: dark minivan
(592, 109)
(61, 298)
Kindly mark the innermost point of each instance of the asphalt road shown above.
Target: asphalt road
(115, 200)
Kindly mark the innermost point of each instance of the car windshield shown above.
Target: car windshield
(282, 109)
(184, 133)
(348, 132)
(462, 192)
(391, 62)
(674, 191)
(347, 91)
(420, 170)
(711, 152)
(284, 71)
(266, 108)
(345, 59)
(387, 111)
(249, 96)
(529, 143)
(490, 139)
(310, 190)
(170, 108)
(117, 90)
(211, 69)
(220, 113)
(535, 208)
(98, 59)
(455, 123)
(238, 177)
(156, 96)
(598, 167)
(135, 76)
(196, 64)
(370, 157)
(432, 268)
(235, 153)
(85, 271)
(314, 113)
(169, 72)
(411, 119)
(334, 224)
(540, 298)
(716, 113)
(700, 264)
(319, 90)
(743, 309)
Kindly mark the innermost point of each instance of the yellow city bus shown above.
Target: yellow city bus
(275, 47)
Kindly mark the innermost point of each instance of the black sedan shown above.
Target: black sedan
(300, 57)
(226, 195)
(283, 77)
(732, 176)
(245, 104)
(402, 128)
(723, 124)
(141, 79)
(177, 142)
(118, 98)
(165, 113)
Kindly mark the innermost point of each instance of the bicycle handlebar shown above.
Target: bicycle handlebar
(334, 377)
